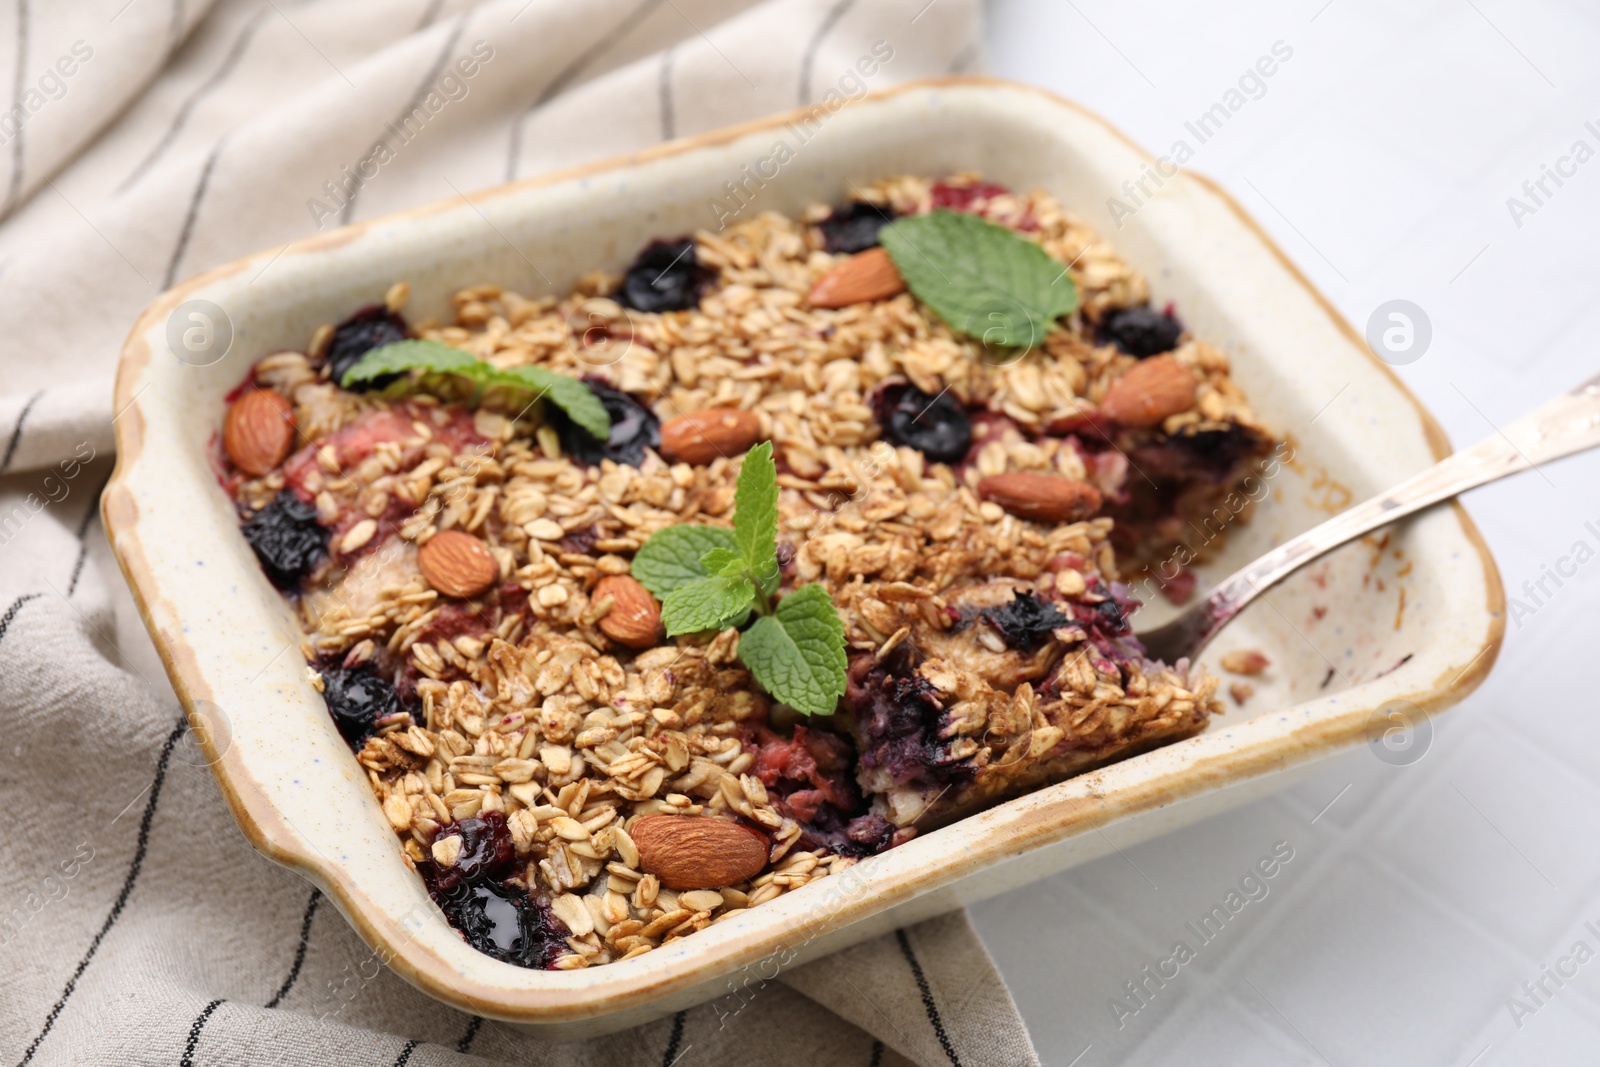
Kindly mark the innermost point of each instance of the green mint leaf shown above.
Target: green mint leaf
(797, 653)
(983, 280)
(672, 557)
(755, 516)
(566, 393)
(400, 356)
(706, 604)
(724, 561)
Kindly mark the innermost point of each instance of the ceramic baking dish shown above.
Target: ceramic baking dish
(1416, 619)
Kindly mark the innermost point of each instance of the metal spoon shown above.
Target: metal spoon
(1569, 423)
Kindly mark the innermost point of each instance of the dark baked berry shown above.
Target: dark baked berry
(1026, 622)
(1142, 331)
(1106, 616)
(502, 920)
(357, 698)
(634, 428)
(936, 426)
(287, 539)
(1115, 619)
(499, 919)
(853, 227)
(367, 329)
(486, 851)
(1217, 453)
(665, 277)
(899, 721)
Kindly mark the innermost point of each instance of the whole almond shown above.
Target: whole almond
(869, 275)
(698, 851)
(258, 431)
(1041, 497)
(635, 618)
(457, 564)
(701, 436)
(1149, 392)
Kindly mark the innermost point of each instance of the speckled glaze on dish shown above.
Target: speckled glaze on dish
(1334, 634)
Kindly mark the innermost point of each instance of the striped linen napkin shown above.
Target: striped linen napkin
(142, 141)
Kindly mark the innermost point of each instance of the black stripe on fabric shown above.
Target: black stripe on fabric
(180, 118)
(299, 952)
(190, 215)
(122, 897)
(877, 1054)
(671, 1054)
(18, 87)
(829, 21)
(928, 1004)
(405, 1053)
(77, 568)
(424, 87)
(16, 433)
(198, 1025)
(570, 71)
(11, 612)
(669, 121)
(471, 1035)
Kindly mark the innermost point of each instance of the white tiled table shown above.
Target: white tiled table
(1381, 157)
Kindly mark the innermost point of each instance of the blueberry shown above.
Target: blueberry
(486, 851)
(1217, 452)
(287, 539)
(357, 698)
(353, 338)
(497, 917)
(854, 227)
(1116, 620)
(1025, 622)
(665, 277)
(634, 428)
(501, 920)
(1142, 331)
(936, 426)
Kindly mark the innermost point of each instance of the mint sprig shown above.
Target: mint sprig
(983, 280)
(675, 556)
(797, 652)
(566, 393)
(710, 578)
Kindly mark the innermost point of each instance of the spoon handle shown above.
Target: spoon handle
(1569, 423)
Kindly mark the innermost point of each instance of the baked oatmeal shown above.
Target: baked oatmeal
(464, 540)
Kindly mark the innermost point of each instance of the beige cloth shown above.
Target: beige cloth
(150, 139)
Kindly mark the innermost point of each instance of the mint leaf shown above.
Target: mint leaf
(983, 280)
(672, 557)
(723, 561)
(568, 394)
(400, 356)
(706, 604)
(797, 653)
(755, 515)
